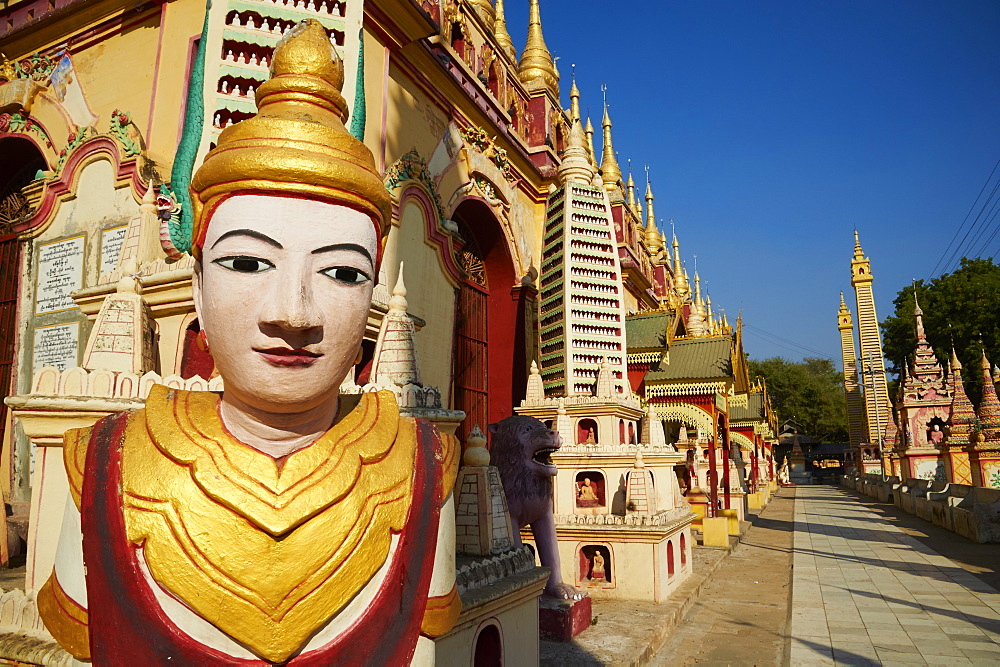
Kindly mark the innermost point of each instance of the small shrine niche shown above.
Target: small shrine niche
(488, 651)
(586, 432)
(684, 551)
(595, 566)
(935, 432)
(590, 490)
(670, 558)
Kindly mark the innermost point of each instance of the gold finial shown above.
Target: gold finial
(501, 35)
(574, 98)
(858, 252)
(575, 166)
(536, 70)
(611, 173)
(297, 144)
(650, 218)
(630, 186)
(589, 131)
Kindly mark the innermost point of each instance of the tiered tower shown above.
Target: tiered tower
(961, 423)
(876, 394)
(582, 309)
(924, 409)
(855, 414)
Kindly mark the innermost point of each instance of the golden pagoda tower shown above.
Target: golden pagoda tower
(537, 70)
(611, 173)
(876, 393)
(500, 33)
(855, 414)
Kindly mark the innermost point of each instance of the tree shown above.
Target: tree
(959, 308)
(810, 391)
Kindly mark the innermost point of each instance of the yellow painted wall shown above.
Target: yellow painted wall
(428, 293)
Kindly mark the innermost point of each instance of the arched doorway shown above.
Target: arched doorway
(489, 372)
(22, 162)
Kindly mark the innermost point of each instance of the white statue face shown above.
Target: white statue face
(283, 292)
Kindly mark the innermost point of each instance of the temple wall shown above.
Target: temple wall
(429, 296)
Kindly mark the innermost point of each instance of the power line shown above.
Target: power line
(962, 248)
(967, 252)
(785, 342)
(958, 231)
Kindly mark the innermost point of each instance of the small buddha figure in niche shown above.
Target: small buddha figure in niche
(591, 439)
(586, 495)
(937, 435)
(597, 567)
(282, 523)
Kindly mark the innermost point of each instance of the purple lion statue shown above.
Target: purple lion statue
(522, 450)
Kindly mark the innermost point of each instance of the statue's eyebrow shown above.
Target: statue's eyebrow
(345, 246)
(252, 234)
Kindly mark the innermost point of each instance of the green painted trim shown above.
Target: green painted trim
(359, 114)
(187, 150)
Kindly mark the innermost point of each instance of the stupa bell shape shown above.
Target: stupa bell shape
(654, 241)
(611, 173)
(536, 388)
(605, 382)
(501, 35)
(536, 70)
(652, 429)
(576, 167)
(640, 496)
(395, 361)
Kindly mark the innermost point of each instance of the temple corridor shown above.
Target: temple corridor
(866, 592)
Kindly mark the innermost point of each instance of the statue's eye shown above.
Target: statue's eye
(245, 264)
(347, 275)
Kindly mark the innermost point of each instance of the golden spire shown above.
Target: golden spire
(697, 291)
(575, 166)
(680, 275)
(574, 99)
(858, 252)
(654, 240)
(589, 131)
(501, 35)
(536, 70)
(650, 218)
(630, 187)
(611, 173)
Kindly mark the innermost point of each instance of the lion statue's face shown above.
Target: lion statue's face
(528, 439)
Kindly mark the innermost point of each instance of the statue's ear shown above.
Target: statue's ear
(492, 428)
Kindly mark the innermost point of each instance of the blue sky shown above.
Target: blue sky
(773, 129)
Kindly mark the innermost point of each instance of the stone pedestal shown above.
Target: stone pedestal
(732, 521)
(715, 532)
(561, 620)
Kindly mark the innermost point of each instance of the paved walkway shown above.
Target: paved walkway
(864, 592)
(741, 617)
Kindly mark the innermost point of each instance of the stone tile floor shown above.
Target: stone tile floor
(865, 593)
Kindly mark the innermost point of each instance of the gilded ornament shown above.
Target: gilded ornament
(297, 143)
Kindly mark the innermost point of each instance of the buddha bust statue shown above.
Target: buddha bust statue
(281, 523)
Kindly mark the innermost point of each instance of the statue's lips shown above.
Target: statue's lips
(283, 356)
